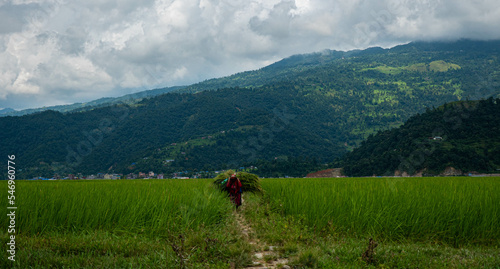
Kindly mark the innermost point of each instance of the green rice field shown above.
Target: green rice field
(157, 207)
(190, 224)
(453, 210)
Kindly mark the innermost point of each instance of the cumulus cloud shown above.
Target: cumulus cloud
(59, 51)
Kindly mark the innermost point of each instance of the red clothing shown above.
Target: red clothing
(234, 188)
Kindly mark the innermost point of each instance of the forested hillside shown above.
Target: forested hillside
(463, 135)
(421, 64)
(306, 109)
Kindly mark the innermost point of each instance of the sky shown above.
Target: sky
(55, 52)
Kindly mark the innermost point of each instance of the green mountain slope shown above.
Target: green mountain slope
(316, 107)
(413, 61)
(463, 135)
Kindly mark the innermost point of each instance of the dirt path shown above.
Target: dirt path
(264, 252)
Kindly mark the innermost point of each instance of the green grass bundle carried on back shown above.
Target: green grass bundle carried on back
(250, 182)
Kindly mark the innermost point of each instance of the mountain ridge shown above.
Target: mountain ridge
(333, 106)
(309, 59)
(101, 102)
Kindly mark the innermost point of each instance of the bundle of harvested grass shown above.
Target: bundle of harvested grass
(250, 182)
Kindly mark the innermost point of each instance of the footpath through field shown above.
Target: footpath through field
(264, 256)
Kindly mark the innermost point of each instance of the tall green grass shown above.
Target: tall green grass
(156, 207)
(451, 210)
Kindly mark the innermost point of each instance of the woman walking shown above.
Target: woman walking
(234, 188)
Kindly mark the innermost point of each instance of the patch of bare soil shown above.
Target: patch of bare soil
(334, 172)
